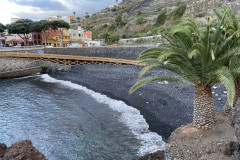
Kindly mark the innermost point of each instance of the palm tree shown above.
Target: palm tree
(197, 55)
(232, 26)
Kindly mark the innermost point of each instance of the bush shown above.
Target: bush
(161, 18)
(118, 18)
(113, 27)
(124, 36)
(201, 14)
(178, 12)
(113, 39)
(140, 21)
(139, 41)
(121, 24)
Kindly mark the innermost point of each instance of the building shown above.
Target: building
(88, 36)
(37, 38)
(2, 40)
(76, 33)
(14, 39)
(52, 38)
(93, 43)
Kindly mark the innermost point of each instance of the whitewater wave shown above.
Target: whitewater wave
(131, 117)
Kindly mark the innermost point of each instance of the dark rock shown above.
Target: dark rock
(159, 155)
(22, 150)
(3, 148)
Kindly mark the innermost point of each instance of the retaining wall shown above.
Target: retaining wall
(131, 53)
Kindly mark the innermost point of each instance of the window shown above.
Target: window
(39, 37)
(79, 35)
(35, 37)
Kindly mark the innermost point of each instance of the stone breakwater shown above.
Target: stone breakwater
(12, 68)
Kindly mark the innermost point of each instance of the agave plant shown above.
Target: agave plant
(198, 55)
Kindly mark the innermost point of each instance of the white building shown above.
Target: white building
(93, 43)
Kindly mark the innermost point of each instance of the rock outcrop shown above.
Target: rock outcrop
(22, 150)
(12, 68)
(219, 143)
(159, 155)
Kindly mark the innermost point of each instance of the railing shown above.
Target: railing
(68, 59)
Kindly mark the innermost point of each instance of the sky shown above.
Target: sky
(42, 9)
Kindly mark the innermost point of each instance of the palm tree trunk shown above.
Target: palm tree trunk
(203, 116)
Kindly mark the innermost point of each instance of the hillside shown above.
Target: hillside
(138, 18)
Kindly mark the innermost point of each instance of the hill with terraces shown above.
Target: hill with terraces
(138, 17)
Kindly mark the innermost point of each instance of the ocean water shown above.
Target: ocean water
(68, 121)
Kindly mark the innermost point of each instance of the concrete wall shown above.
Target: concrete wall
(117, 52)
(21, 50)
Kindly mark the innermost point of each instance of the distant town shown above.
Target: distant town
(74, 36)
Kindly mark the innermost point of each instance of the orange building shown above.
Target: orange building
(52, 39)
(88, 35)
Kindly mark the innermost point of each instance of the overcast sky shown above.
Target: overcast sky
(41, 9)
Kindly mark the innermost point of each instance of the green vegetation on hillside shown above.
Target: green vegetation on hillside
(131, 19)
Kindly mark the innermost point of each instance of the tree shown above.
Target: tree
(2, 27)
(161, 18)
(118, 18)
(86, 15)
(178, 12)
(22, 28)
(232, 27)
(42, 26)
(106, 36)
(197, 55)
(57, 28)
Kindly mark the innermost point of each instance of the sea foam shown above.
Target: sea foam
(131, 117)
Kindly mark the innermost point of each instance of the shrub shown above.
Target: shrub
(201, 14)
(161, 18)
(113, 39)
(178, 12)
(139, 41)
(118, 18)
(113, 27)
(140, 21)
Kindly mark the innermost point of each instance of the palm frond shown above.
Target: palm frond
(151, 79)
(225, 77)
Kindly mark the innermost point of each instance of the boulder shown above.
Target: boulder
(22, 150)
(218, 143)
(159, 155)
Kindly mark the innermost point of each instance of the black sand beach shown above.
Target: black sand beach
(164, 106)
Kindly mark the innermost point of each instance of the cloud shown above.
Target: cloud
(45, 5)
(41, 9)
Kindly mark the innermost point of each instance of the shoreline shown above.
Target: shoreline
(165, 107)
